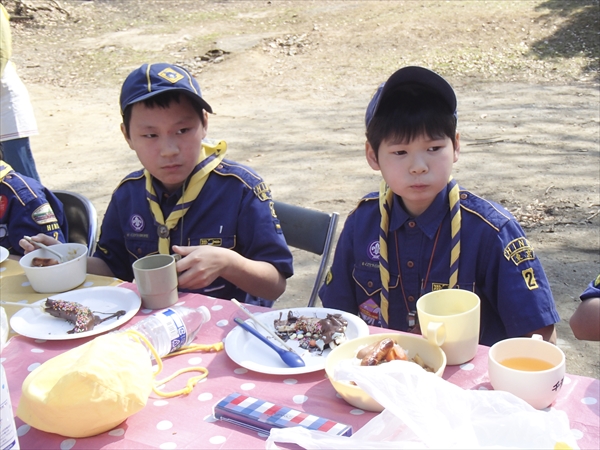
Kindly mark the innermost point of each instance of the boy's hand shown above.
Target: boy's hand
(200, 265)
(42, 238)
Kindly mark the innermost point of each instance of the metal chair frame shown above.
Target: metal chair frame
(309, 230)
(82, 218)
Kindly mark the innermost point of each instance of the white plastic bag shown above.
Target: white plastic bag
(425, 411)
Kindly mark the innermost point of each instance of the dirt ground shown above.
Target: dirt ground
(290, 80)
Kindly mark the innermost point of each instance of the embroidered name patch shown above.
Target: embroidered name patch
(519, 251)
(43, 215)
(215, 242)
(262, 191)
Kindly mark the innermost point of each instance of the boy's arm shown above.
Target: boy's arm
(203, 264)
(585, 321)
(97, 266)
(548, 333)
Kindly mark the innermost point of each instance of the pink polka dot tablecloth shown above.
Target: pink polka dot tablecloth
(188, 422)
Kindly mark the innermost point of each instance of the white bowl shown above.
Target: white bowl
(538, 387)
(61, 277)
(413, 344)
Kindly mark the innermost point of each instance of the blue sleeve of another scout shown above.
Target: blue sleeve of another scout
(26, 209)
(593, 289)
(515, 284)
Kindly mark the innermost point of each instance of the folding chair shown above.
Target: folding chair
(81, 218)
(311, 231)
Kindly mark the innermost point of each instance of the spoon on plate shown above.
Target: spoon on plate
(290, 358)
(45, 247)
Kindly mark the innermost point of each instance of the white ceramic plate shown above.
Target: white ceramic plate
(3, 254)
(36, 324)
(249, 352)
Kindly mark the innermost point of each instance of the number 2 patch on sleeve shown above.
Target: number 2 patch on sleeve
(529, 278)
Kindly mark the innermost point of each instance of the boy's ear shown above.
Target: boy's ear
(205, 122)
(371, 156)
(457, 147)
(124, 131)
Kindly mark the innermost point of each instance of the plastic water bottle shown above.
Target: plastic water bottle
(172, 328)
(8, 429)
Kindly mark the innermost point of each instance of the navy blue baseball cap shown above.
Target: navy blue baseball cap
(413, 75)
(152, 79)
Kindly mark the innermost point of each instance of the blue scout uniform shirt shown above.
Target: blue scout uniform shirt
(27, 208)
(233, 210)
(593, 289)
(496, 262)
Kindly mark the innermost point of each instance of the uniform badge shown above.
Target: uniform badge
(170, 75)
(43, 215)
(439, 286)
(373, 250)
(3, 205)
(519, 251)
(137, 223)
(529, 278)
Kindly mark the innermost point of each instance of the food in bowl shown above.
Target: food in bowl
(312, 333)
(413, 344)
(59, 277)
(387, 350)
(44, 262)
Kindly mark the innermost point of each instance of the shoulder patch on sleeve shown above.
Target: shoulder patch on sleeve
(366, 199)
(597, 282)
(43, 215)
(247, 176)
(132, 176)
(490, 212)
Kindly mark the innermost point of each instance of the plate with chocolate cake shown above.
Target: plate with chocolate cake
(310, 332)
(77, 314)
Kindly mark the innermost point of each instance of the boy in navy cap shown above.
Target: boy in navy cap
(421, 232)
(216, 214)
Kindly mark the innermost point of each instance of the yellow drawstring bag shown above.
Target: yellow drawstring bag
(94, 387)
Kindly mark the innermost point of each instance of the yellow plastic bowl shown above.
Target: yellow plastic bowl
(413, 344)
(61, 277)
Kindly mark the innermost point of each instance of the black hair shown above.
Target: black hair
(163, 100)
(410, 111)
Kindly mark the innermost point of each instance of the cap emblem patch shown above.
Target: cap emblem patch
(170, 75)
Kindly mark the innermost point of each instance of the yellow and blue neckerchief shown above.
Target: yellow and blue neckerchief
(211, 156)
(386, 196)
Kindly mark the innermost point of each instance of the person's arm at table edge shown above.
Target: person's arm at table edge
(585, 321)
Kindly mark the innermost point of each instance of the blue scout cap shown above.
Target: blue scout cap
(153, 79)
(417, 75)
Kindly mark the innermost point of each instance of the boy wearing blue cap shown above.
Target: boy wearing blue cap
(421, 232)
(189, 200)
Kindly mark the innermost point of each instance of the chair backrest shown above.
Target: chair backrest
(81, 218)
(309, 230)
